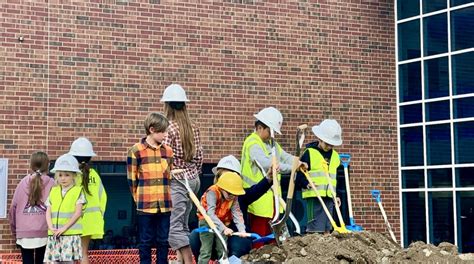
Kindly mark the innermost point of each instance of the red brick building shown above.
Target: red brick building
(87, 68)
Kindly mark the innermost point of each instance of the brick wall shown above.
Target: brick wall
(93, 69)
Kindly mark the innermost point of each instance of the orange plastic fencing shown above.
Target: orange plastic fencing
(98, 256)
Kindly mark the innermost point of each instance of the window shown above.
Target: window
(409, 40)
(462, 32)
(412, 146)
(435, 34)
(463, 73)
(413, 179)
(436, 78)
(410, 81)
(410, 114)
(407, 8)
(433, 5)
(414, 217)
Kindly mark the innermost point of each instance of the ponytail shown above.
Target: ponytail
(85, 169)
(39, 163)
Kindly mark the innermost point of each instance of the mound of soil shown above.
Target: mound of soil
(357, 247)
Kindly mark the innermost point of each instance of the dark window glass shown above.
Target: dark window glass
(463, 73)
(409, 40)
(438, 144)
(464, 142)
(407, 8)
(465, 218)
(462, 30)
(463, 107)
(436, 77)
(410, 114)
(441, 217)
(433, 5)
(438, 178)
(437, 111)
(410, 81)
(414, 218)
(413, 179)
(465, 177)
(435, 34)
(411, 146)
(460, 2)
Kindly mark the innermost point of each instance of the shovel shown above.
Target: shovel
(333, 192)
(346, 159)
(276, 184)
(282, 202)
(223, 259)
(280, 228)
(376, 195)
(328, 214)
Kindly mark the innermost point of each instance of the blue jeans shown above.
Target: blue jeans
(153, 228)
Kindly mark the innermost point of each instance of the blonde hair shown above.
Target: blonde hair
(39, 163)
(157, 121)
(186, 133)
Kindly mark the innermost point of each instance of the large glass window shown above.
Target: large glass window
(435, 34)
(414, 217)
(409, 40)
(441, 217)
(437, 111)
(436, 77)
(412, 146)
(463, 73)
(464, 142)
(463, 107)
(465, 217)
(410, 114)
(410, 81)
(439, 178)
(438, 144)
(413, 179)
(407, 8)
(465, 177)
(462, 31)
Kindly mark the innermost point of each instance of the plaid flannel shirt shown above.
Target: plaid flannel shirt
(149, 177)
(192, 169)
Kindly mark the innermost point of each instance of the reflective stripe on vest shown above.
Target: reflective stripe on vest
(317, 173)
(251, 174)
(63, 208)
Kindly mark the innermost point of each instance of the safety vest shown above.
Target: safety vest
(252, 175)
(223, 206)
(317, 173)
(63, 208)
(93, 218)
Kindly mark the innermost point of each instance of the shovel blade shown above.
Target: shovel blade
(281, 232)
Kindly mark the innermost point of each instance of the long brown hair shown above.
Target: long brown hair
(39, 163)
(85, 170)
(186, 133)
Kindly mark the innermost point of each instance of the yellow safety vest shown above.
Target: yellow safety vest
(63, 208)
(93, 218)
(263, 207)
(317, 173)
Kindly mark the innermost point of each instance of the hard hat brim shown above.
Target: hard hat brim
(267, 124)
(62, 168)
(77, 154)
(320, 134)
(166, 100)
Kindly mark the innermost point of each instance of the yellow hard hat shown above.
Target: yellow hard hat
(231, 182)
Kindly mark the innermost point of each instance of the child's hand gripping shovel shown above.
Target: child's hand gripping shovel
(280, 228)
(197, 203)
(345, 160)
(328, 214)
(376, 195)
(282, 203)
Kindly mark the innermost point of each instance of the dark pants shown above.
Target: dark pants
(237, 246)
(153, 228)
(32, 255)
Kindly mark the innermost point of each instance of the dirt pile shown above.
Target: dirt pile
(360, 247)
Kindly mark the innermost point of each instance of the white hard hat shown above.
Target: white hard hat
(329, 131)
(174, 93)
(271, 117)
(66, 162)
(229, 163)
(82, 147)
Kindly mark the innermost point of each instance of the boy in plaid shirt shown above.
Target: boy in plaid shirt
(148, 173)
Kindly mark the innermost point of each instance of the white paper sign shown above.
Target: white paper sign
(3, 187)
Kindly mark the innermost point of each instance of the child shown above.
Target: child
(27, 211)
(89, 180)
(183, 137)
(258, 147)
(148, 173)
(316, 153)
(63, 214)
(221, 204)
